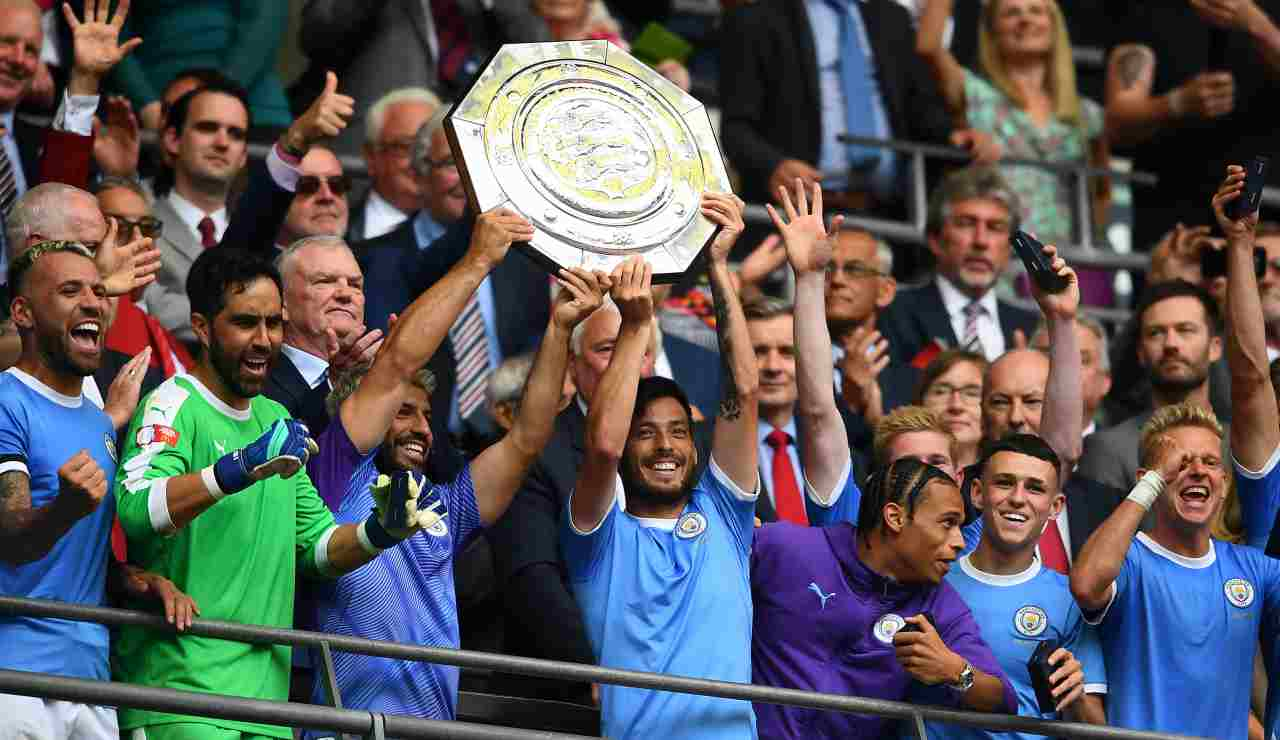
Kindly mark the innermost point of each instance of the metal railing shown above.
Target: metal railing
(355, 721)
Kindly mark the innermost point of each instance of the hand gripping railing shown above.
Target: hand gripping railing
(353, 721)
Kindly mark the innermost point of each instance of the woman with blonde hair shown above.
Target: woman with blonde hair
(1026, 98)
(580, 20)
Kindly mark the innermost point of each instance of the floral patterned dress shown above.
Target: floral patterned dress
(1046, 196)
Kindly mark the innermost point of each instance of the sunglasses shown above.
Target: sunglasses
(148, 226)
(310, 184)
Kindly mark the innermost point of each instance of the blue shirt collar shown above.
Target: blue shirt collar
(426, 229)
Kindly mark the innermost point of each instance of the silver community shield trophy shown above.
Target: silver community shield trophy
(603, 155)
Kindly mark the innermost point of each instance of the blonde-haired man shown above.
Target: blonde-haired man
(915, 432)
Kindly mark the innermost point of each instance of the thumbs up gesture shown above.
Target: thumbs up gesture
(327, 116)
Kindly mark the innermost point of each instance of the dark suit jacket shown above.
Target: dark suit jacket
(697, 370)
(542, 618)
(764, 505)
(1089, 503)
(918, 315)
(771, 103)
(286, 386)
(396, 272)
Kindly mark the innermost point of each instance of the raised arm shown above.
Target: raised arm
(1135, 115)
(1247, 18)
(499, 470)
(929, 45)
(368, 412)
(609, 419)
(28, 533)
(824, 445)
(1255, 422)
(734, 444)
(1062, 423)
(1097, 567)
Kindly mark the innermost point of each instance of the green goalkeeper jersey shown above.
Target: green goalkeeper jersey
(237, 560)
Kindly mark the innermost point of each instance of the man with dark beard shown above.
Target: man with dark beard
(197, 441)
(57, 457)
(649, 577)
(1179, 337)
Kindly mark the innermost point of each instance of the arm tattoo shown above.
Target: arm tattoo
(15, 501)
(730, 404)
(1132, 64)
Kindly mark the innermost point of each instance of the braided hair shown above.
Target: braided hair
(902, 482)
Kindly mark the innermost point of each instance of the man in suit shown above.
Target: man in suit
(394, 192)
(971, 215)
(382, 46)
(403, 263)
(205, 138)
(319, 206)
(1179, 336)
(805, 72)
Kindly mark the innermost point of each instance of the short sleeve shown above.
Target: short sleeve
(157, 447)
(842, 504)
(737, 506)
(1269, 576)
(312, 523)
(585, 551)
(1082, 641)
(1130, 569)
(1259, 495)
(14, 433)
(1094, 118)
(464, 511)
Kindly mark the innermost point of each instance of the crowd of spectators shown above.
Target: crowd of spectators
(260, 390)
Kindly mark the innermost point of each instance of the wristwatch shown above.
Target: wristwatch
(965, 682)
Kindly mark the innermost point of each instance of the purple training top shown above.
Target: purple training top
(825, 622)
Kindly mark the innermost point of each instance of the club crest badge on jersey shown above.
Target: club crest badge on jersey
(888, 626)
(1030, 621)
(691, 525)
(111, 447)
(1239, 592)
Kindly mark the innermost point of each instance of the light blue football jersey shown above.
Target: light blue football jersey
(1179, 636)
(1015, 613)
(670, 599)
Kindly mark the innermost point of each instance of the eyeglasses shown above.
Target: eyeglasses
(940, 392)
(398, 147)
(310, 184)
(448, 163)
(149, 226)
(852, 270)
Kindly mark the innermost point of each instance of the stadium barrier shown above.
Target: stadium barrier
(375, 725)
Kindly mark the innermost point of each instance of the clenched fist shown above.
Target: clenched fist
(81, 484)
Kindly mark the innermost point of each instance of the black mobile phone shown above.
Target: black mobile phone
(1213, 262)
(1251, 197)
(1032, 253)
(1040, 669)
(913, 627)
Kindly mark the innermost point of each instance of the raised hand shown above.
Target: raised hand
(866, 354)
(395, 500)
(1065, 304)
(1232, 15)
(1232, 188)
(1207, 95)
(804, 234)
(116, 143)
(327, 117)
(282, 450)
(81, 484)
(632, 291)
(126, 266)
(360, 349)
(122, 396)
(788, 170)
(768, 256)
(96, 43)
(581, 293)
(1172, 460)
(1177, 255)
(495, 231)
(725, 210)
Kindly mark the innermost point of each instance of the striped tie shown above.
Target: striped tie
(471, 353)
(8, 185)
(972, 312)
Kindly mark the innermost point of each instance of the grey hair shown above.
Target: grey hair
(421, 154)
(506, 384)
(113, 182)
(972, 183)
(767, 308)
(40, 210)
(1095, 328)
(575, 339)
(346, 383)
(376, 117)
(285, 259)
(884, 255)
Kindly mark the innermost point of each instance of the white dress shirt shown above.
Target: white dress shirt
(311, 368)
(380, 217)
(191, 216)
(989, 333)
(763, 430)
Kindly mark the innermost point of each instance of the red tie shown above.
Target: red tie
(207, 233)
(1052, 552)
(786, 494)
